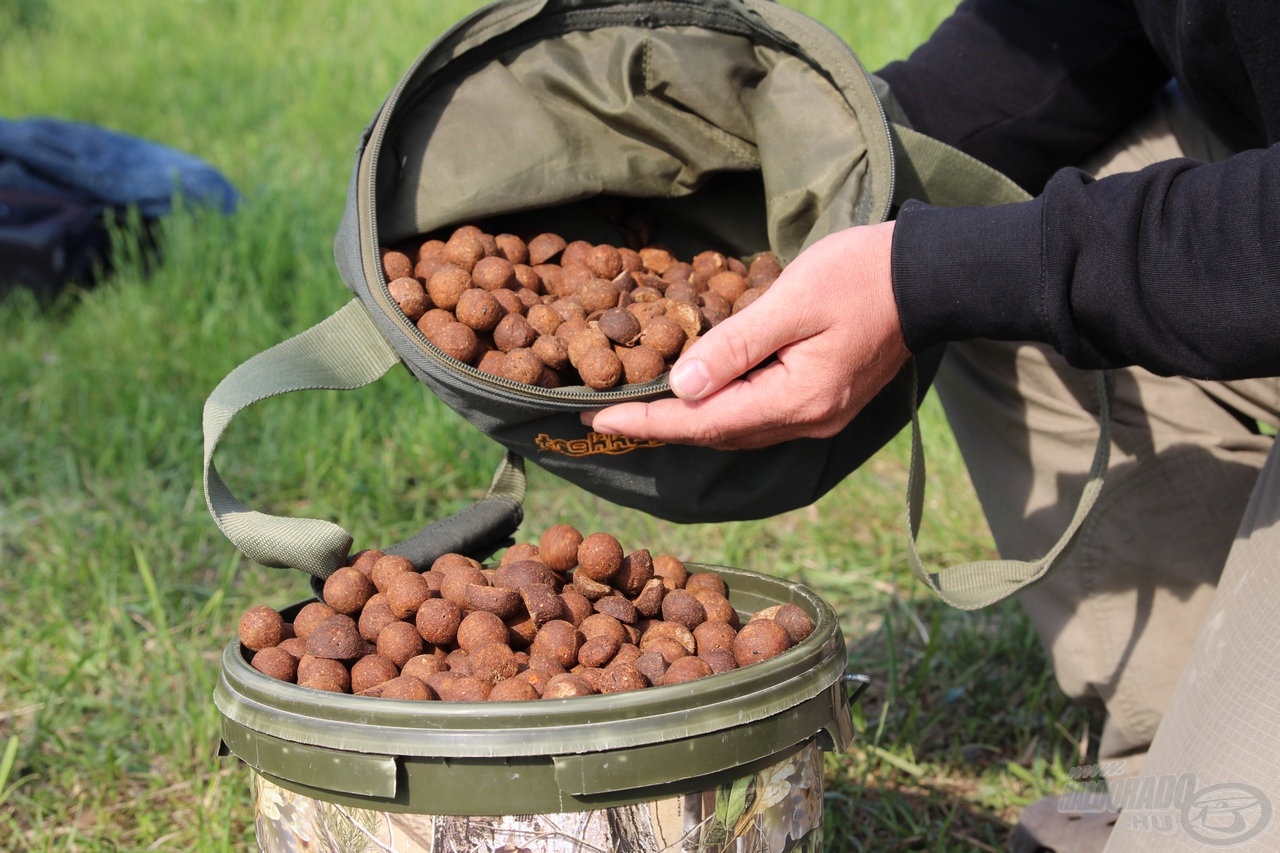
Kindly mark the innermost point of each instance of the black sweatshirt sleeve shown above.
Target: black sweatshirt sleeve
(1175, 268)
(1029, 86)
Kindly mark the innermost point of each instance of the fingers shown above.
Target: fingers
(743, 414)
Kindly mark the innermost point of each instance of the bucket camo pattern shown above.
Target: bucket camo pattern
(777, 810)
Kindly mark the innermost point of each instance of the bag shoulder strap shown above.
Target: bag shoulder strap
(343, 352)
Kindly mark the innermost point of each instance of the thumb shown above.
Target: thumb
(725, 352)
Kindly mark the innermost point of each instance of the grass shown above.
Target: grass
(119, 592)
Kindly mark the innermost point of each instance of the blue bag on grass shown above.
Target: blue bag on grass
(61, 182)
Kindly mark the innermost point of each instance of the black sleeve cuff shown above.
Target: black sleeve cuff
(974, 272)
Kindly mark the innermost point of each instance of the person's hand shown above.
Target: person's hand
(832, 322)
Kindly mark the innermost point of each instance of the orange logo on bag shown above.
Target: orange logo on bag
(595, 444)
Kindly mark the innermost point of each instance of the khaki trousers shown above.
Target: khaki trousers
(1120, 620)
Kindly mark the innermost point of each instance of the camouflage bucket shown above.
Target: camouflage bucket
(726, 762)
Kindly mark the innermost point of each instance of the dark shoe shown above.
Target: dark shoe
(1043, 827)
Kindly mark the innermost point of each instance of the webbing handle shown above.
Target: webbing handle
(342, 352)
(934, 172)
(970, 586)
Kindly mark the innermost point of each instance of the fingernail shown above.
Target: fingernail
(689, 379)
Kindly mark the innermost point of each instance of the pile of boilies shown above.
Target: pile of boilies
(550, 312)
(567, 616)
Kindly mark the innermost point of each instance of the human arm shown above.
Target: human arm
(1174, 268)
(1171, 268)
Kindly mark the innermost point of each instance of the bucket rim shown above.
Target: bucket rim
(251, 700)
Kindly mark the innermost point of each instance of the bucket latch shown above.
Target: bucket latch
(681, 758)
(360, 774)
